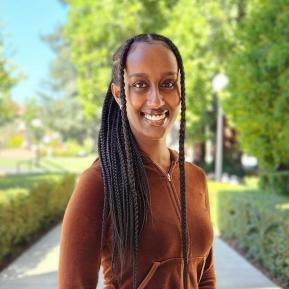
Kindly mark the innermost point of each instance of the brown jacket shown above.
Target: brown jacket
(160, 262)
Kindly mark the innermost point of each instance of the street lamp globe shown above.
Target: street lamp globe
(219, 82)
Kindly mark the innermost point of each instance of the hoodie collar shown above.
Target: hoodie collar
(147, 160)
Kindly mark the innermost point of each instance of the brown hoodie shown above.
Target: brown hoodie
(160, 252)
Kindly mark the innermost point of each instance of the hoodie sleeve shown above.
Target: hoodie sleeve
(208, 280)
(79, 258)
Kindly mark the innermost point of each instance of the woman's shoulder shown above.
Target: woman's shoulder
(92, 174)
(190, 167)
(87, 199)
(196, 171)
(89, 184)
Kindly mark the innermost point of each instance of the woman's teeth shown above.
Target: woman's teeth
(155, 117)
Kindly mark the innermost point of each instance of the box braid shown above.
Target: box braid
(126, 198)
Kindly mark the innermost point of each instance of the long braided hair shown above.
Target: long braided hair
(126, 189)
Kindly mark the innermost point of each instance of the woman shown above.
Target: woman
(140, 210)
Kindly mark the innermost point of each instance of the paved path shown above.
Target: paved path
(37, 268)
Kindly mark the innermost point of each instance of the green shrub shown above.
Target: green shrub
(72, 148)
(259, 223)
(24, 215)
(275, 182)
(14, 141)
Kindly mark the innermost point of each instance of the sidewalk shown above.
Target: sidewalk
(37, 268)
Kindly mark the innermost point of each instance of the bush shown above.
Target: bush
(259, 223)
(73, 148)
(275, 182)
(23, 216)
(15, 141)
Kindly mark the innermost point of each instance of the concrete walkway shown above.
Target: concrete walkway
(37, 268)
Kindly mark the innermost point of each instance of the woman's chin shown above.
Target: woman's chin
(155, 133)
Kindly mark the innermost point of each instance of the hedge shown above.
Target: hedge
(275, 182)
(259, 223)
(24, 215)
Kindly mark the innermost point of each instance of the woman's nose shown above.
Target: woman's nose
(155, 98)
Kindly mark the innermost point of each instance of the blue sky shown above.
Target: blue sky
(23, 22)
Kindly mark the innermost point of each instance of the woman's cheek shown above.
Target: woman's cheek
(136, 100)
(174, 99)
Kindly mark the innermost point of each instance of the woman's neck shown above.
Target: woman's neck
(158, 153)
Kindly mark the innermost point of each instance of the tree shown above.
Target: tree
(7, 81)
(62, 110)
(259, 78)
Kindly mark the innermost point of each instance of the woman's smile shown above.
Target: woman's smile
(156, 119)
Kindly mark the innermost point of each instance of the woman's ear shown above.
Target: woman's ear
(115, 92)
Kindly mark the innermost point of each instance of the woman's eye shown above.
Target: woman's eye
(139, 84)
(169, 84)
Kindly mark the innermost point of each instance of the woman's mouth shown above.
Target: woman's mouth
(155, 119)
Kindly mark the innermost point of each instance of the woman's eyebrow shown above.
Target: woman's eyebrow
(144, 74)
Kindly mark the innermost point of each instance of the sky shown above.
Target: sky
(22, 23)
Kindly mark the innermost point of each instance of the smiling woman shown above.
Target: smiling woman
(153, 93)
(140, 210)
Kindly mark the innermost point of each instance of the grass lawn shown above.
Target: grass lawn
(53, 164)
(251, 183)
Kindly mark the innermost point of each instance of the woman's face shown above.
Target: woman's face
(152, 87)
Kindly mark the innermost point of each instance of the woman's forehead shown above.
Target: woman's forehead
(147, 56)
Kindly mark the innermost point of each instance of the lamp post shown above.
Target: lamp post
(37, 124)
(219, 82)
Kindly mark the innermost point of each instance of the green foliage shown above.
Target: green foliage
(258, 222)
(62, 72)
(65, 115)
(16, 182)
(259, 78)
(7, 107)
(7, 81)
(59, 109)
(276, 182)
(32, 111)
(73, 148)
(15, 141)
(21, 217)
